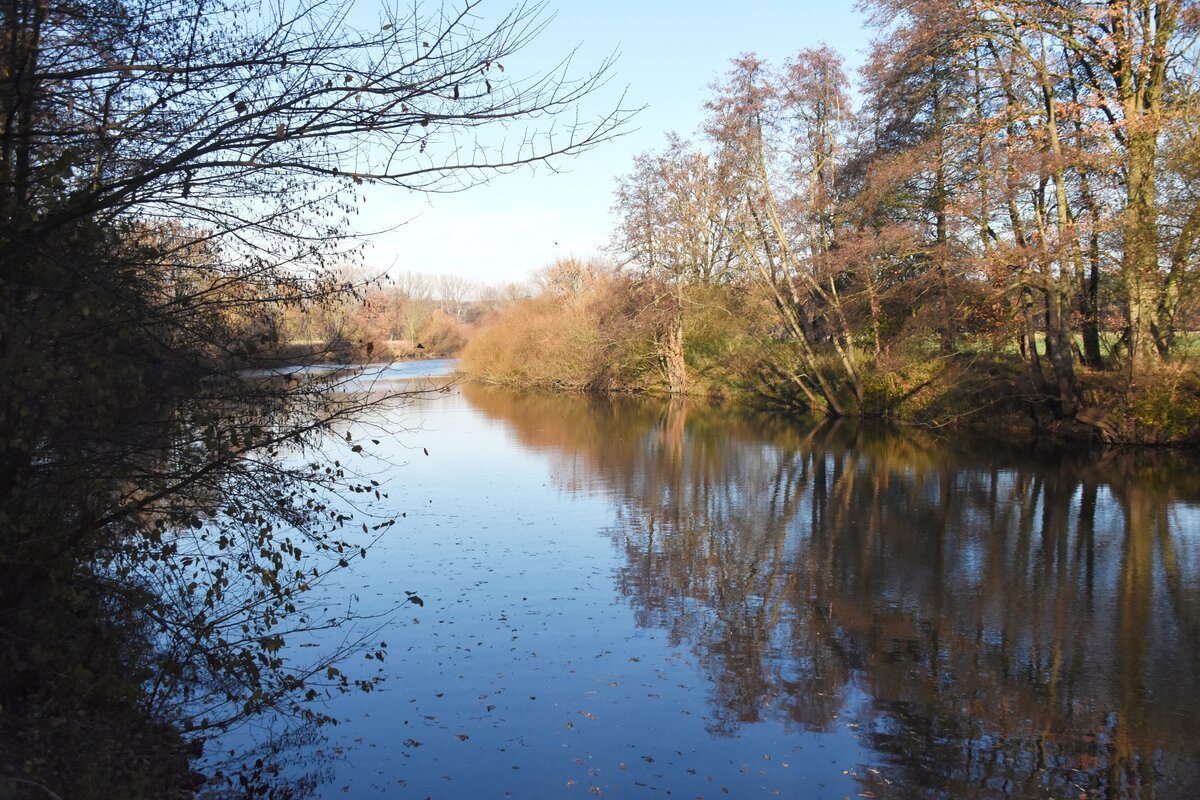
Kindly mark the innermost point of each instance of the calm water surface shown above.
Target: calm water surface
(631, 600)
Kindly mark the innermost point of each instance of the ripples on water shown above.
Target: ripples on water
(632, 600)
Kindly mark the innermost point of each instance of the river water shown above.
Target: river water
(627, 599)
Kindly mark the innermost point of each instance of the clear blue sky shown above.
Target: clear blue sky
(670, 51)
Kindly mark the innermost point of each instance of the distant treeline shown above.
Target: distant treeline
(409, 315)
(1000, 223)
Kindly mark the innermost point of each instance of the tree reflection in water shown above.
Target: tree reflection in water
(1021, 626)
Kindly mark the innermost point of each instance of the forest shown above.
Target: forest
(997, 219)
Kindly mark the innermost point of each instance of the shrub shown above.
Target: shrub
(1162, 408)
(586, 334)
(442, 335)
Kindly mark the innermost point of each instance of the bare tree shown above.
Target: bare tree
(454, 291)
(781, 140)
(676, 229)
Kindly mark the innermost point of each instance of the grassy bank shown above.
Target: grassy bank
(609, 335)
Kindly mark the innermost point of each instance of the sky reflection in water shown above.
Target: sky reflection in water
(630, 600)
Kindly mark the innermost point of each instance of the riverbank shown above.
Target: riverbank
(346, 351)
(990, 391)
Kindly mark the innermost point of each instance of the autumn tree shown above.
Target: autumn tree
(1136, 59)
(781, 139)
(1100, 86)
(676, 222)
(921, 95)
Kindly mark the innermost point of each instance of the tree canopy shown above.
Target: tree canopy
(996, 218)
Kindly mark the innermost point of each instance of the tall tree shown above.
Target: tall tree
(675, 228)
(920, 92)
(781, 138)
(1132, 62)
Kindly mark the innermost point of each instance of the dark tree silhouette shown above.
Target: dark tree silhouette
(172, 174)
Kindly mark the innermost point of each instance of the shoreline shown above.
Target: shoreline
(1032, 423)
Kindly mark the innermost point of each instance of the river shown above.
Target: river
(626, 599)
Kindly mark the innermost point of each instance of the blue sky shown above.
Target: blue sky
(670, 51)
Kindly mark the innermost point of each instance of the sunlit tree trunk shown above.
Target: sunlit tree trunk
(1133, 43)
(1140, 263)
(1059, 335)
(671, 346)
(1088, 276)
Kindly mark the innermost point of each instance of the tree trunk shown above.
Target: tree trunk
(1088, 293)
(1059, 337)
(1036, 374)
(671, 355)
(1140, 265)
(1058, 352)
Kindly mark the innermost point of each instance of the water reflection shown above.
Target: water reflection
(1019, 625)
